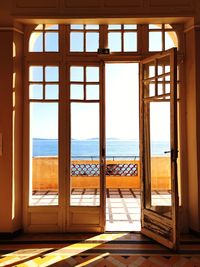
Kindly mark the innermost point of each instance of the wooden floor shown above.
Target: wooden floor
(103, 250)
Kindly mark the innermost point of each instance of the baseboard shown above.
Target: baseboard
(10, 235)
(194, 232)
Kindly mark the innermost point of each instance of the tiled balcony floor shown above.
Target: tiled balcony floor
(122, 205)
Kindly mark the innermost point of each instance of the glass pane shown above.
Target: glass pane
(155, 26)
(130, 41)
(36, 42)
(77, 27)
(115, 27)
(92, 92)
(160, 89)
(92, 41)
(36, 91)
(92, 74)
(36, 74)
(155, 41)
(43, 189)
(160, 157)
(149, 70)
(130, 27)
(51, 91)
(151, 89)
(39, 27)
(51, 42)
(167, 88)
(51, 74)
(76, 91)
(92, 27)
(51, 26)
(85, 164)
(114, 41)
(76, 74)
(76, 42)
(171, 40)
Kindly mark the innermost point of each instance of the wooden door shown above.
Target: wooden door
(158, 147)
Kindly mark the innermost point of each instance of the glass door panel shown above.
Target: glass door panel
(86, 156)
(158, 147)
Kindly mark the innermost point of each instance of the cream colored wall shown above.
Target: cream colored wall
(13, 11)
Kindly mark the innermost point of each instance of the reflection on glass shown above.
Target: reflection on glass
(36, 42)
(114, 41)
(85, 164)
(43, 186)
(76, 42)
(160, 157)
(171, 40)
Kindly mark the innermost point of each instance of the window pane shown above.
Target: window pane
(92, 74)
(39, 27)
(115, 27)
(92, 41)
(51, 74)
(85, 165)
(155, 26)
(43, 154)
(114, 41)
(76, 92)
(36, 42)
(51, 42)
(92, 92)
(92, 27)
(51, 91)
(76, 74)
(171, 40)
(36, 91)
(77, 27)
(36, 74)
(130, 26)
(76, 42)
(155, 41)
(51, 26)
(130, 41)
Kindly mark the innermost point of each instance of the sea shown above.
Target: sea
(89, 149)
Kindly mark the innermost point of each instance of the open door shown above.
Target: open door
(158, 146)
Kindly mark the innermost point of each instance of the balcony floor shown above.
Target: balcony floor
(122, 205)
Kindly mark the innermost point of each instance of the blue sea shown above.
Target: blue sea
(85, 149)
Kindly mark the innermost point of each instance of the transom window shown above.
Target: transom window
(88, 38)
